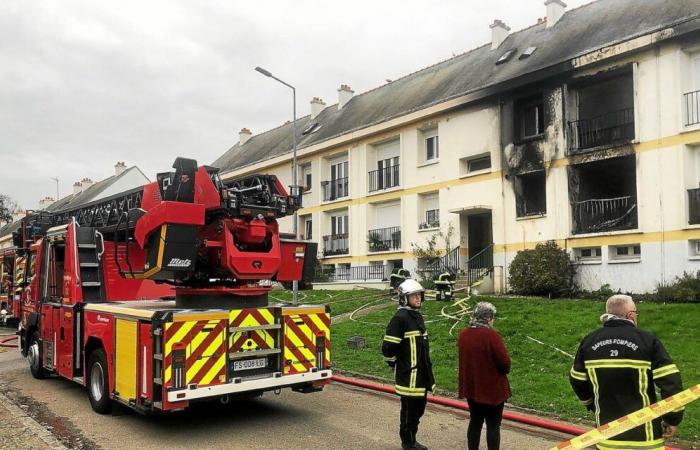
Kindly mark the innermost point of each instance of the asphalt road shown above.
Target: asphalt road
(340, 417)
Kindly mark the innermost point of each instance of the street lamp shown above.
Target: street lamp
(295, 227)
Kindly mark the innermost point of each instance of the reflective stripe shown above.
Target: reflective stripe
(657, 444)
(392, 339)
(409, 392)
(643, 385)
(414, 361)
(411, 333)
(594, 381)
(665, 370)
(618, 364)
(575, 374)
(393, 358)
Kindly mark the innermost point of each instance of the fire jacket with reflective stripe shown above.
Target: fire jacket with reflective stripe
(406, 344)
(615, 371)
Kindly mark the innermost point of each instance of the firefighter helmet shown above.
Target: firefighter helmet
(407, 288)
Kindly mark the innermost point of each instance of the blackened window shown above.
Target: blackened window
(529, 118)
(531, 194)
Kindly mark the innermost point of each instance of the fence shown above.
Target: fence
(335, 189)
(596, 215)
(385, 178)
(607, 129)
(384, 239)
(335, 244)
(691, 101)
(354, 273)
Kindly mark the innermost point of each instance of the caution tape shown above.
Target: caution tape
(632, 420)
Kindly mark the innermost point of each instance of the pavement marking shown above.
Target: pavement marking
(34, 426)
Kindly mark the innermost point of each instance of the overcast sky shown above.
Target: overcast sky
(84, 84)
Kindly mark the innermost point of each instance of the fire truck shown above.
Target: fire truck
(9, 262)
(158, 297)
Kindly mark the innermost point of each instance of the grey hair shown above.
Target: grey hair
(484, 311)
(616, 304)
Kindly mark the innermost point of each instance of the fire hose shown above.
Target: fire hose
(8, 341)
(457, 404)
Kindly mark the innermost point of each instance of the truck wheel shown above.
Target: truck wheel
(34, 356)
(97, 382)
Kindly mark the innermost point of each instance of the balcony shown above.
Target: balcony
(691, 104)
(385, 178)
(602, 215)
(694, 206)
(384, 239)
(432, 219)
(335, 244)
(335, 189)
(608, 129)
(355, 273)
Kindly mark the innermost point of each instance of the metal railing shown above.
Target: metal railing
(598, 215)
(448, 263)
(385, 178)
(335, 244)
(354, 273)
(480, 265)
(335, 189)
(607, 129)
(432, 219)
(384, 239)
(691, 101)
(694, 206)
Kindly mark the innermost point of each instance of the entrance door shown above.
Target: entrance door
(480, 236)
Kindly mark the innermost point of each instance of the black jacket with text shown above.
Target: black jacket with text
(406, 347)
(614, 373)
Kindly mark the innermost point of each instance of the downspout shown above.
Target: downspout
(657, 52)
(503, 195)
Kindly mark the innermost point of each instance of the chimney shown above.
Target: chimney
(45, 202)
(499, 33)
(86, 183)
(317, 105)
(344, 95)
(77, 187)
(243, 136)
(555, 9)
(119, 168)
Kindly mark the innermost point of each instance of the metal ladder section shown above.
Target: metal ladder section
(90, 278)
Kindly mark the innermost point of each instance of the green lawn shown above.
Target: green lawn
(539, 378)
(340, 302)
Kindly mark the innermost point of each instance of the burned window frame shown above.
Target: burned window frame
(521, 200)
(520, 108)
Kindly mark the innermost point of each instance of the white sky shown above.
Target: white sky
(84, 84)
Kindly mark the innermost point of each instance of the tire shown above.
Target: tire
(35, 357)
(98, 382)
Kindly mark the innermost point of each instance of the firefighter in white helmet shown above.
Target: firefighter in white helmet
(405, 348)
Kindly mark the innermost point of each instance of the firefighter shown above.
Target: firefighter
(406, 350)
(614, 373)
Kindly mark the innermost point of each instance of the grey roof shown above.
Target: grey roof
(578, 32)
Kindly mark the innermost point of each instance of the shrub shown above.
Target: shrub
(684, 289)
(546, 270)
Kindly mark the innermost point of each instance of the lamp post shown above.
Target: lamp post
(295, 225)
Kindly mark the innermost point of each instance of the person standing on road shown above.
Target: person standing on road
(484, 364)
(406, 350)
(614, 373)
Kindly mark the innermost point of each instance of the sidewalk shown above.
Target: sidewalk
(19, 431)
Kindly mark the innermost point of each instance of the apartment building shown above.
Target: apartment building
(583, 129)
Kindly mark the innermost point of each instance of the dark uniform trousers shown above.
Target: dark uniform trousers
(405, 347)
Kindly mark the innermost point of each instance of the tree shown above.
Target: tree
(7, 208)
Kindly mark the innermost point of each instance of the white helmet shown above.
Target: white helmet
(407, 288)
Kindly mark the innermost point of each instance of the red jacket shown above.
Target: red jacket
(483, 366)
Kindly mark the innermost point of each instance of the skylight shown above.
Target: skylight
(528, 51)
(314, 127)
(506, 56)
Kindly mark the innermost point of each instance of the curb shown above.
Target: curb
(35, 427)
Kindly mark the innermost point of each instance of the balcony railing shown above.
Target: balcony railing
(432, 219)
(335, 189)
(385, 178)
(616, 127)
(691, 102)
(384, 239)
(694, 206)
(599, 215)
(355, 273)
(335, 244)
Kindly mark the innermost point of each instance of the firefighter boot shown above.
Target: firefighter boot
(407, 442)
(417, 445)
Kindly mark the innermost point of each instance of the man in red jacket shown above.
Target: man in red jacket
(483, 367)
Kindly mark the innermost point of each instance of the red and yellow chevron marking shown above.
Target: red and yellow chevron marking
(205, 342)
(253, 339)
(300, 331)
(619, 426)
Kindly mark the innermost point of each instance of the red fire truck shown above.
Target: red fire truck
(9, 263)
(158, 297)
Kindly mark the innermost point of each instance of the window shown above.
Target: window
(432, 150)
(530, 194)
(481, 163)
(429, 207)
(694, 248)
(339, 225)
(506, 56)
(622, 252)
(528, 52)
(588, 254)
(308, 227)
(529, 118)
(306, 180)
(696, 71)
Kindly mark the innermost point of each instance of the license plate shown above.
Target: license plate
(249, 364)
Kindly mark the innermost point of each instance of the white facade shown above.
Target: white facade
(640, 170)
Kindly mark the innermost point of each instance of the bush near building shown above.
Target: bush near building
(545, 270)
